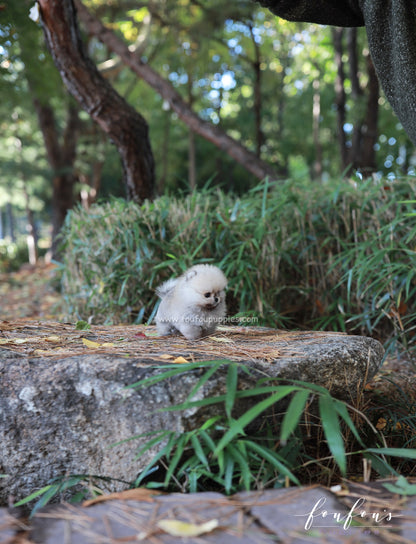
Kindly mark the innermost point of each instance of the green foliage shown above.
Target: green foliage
(75, 488)
(12, 255)
(230, 452)
(334, 257)
(401, 487)
(209, 53)
(223, 453)
(82, 326)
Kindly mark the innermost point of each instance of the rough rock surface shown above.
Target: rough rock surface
(62, 415)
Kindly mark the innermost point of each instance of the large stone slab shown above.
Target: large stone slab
(60, 414)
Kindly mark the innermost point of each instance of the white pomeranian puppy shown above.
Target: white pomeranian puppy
(193, 304)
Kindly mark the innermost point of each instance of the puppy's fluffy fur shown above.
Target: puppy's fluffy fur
(192, 304)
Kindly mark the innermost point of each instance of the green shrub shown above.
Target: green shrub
(12, 255)
(338, 256)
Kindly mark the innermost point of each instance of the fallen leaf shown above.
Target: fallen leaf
(138, 494)
(381, 424)
(180, 360)
(53, 338)
(222, 339)
(166, 356)
(90, 344)
(140, 335)
(43, 352)
(14, 341)
(176, 527)
(107, 345)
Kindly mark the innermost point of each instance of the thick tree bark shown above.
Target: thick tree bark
(210, 132)
(123, 124)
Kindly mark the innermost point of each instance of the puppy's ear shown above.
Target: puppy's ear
(190, 274)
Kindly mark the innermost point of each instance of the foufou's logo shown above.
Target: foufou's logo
(320, 517)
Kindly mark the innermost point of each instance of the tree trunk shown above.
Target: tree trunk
(10, 222)
(370, 124)
(123, 124)
(32, 238)
(191, 143)
(316, 114)
(61, 159)
(361, 151)
(257, 93)
(340, 97)
(210, 132)
(356, 89)
(165, 153)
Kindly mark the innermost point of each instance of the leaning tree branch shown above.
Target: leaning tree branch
(123, 124)
(210, 132)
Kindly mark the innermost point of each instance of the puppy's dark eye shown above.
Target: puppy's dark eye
(207, 295)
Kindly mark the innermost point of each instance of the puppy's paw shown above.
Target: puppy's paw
(191, 332)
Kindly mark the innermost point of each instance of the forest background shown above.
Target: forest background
(301, 98)
(191, 96)
(211, 132)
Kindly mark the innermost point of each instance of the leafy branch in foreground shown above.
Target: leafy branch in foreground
(223, 454)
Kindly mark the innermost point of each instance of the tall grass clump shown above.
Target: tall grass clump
(335, 256)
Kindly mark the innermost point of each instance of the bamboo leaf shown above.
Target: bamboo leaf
(34, 495)
(341, 408)
(332, 430)
(293, 414)
(407, 453)
(273, 459)
(231, 385)
(199, 452)
(251, 414)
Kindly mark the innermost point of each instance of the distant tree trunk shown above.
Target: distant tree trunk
(356, 89)
(340, 97)
(123, 124)
(32, 238)
(10, 222)
(191, 143)
(165, 153)
(316, 114)
(359, 153)
(61, 158)
(370, 124)
(210, 132)
(257, 93)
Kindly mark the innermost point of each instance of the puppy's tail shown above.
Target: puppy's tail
(166, 287)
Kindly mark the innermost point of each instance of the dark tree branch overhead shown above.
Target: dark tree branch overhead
(123, 124)
(210, 132)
